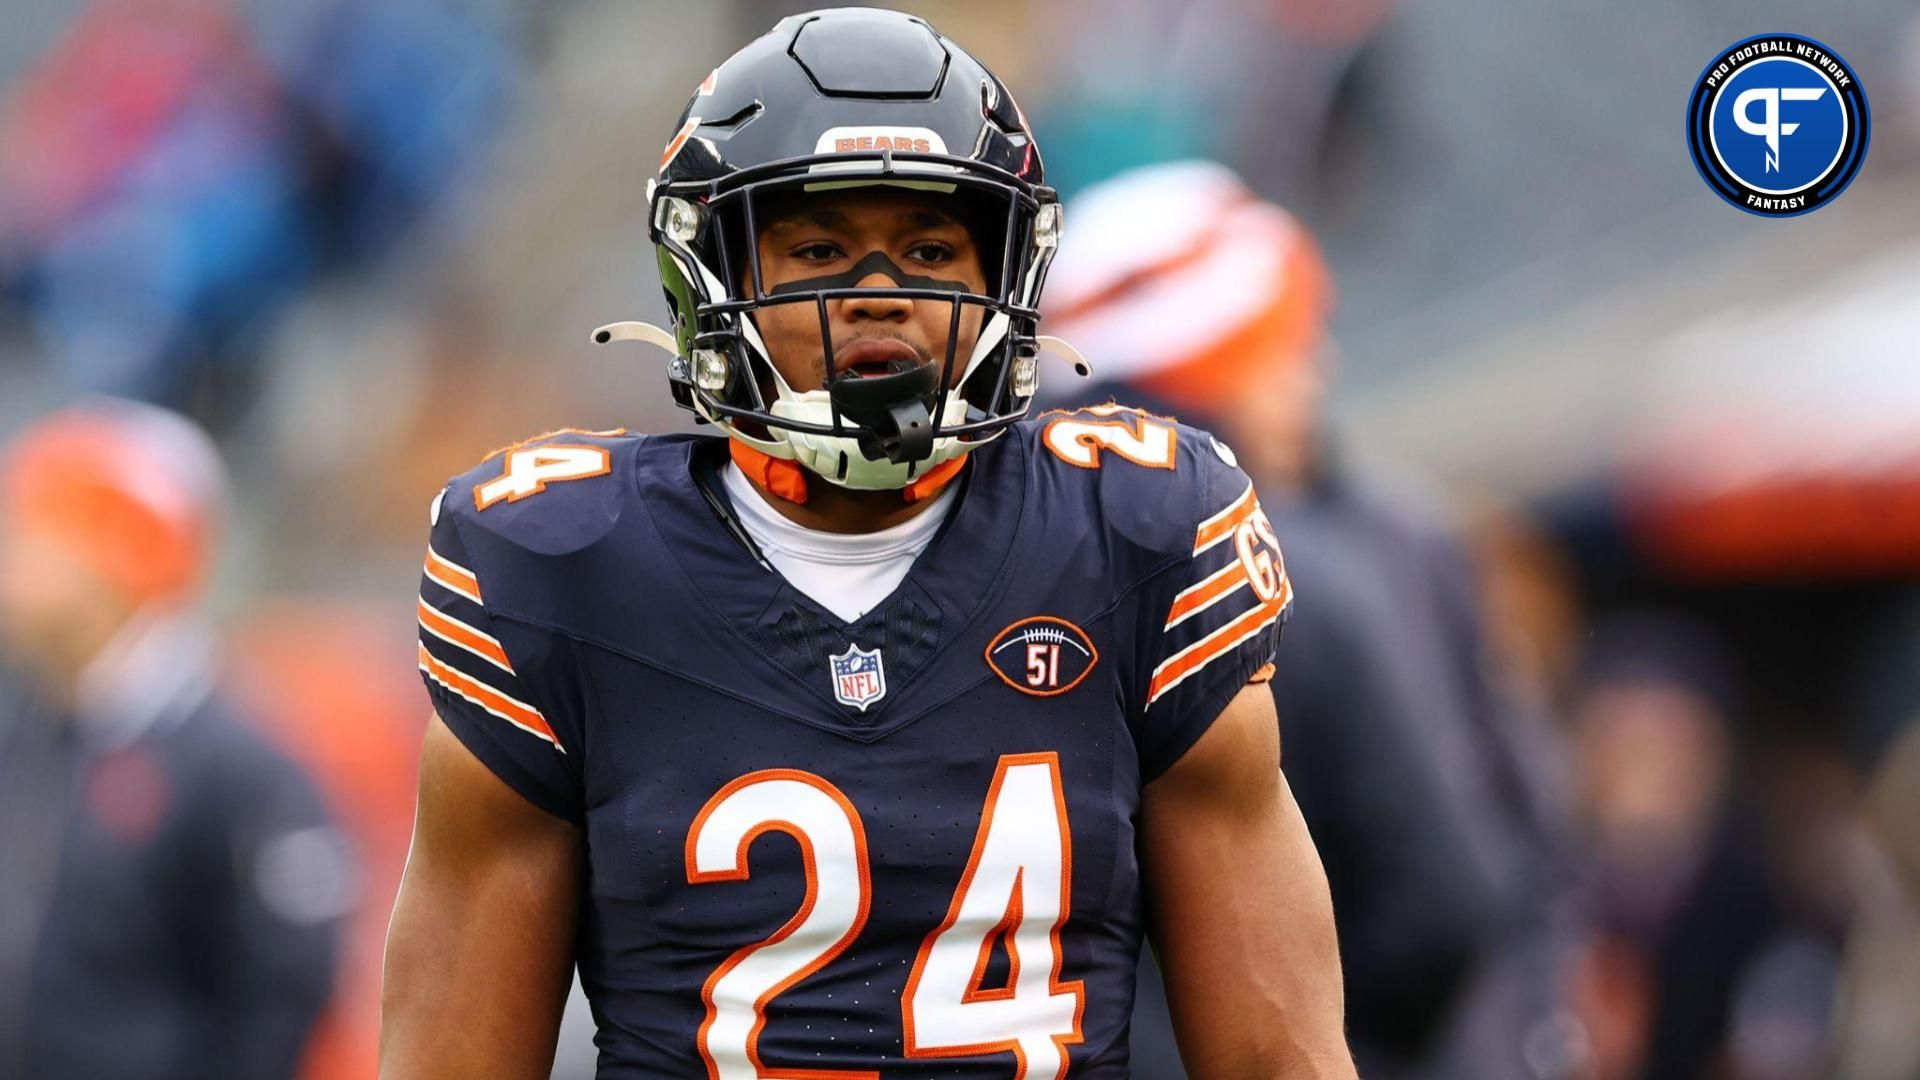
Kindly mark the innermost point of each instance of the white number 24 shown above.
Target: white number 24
(1015, 889)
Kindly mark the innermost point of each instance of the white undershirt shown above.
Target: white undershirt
(846, 573)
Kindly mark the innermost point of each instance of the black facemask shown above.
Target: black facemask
(895, 408)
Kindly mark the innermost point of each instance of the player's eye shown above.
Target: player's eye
(817, 251)
(931, 252)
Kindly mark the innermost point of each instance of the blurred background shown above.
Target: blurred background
(362, 243)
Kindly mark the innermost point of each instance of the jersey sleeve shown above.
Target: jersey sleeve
(486, 676)
(1215, 621)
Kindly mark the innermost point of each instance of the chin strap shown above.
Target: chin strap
(1061, 348)
(645, 333)
(935, 481)
(788, 479)
(785, 479)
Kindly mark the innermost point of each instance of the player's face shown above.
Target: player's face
(837, 234)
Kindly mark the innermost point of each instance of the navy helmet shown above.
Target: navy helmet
(828, 100)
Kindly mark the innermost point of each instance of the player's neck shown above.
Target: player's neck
(834, 509)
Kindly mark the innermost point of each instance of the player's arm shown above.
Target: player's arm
(480, 950)
(1241, 919)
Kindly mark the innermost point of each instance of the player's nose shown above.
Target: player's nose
(878, 304)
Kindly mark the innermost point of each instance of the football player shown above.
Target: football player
(871, 737)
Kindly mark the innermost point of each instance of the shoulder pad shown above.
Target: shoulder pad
(553, 494)
(1155, 480)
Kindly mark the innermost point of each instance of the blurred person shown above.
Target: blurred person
(1787, 1020)
(1715, 913)
(1878, 1034)
(359, 740)
(1879, 1030)
(1429, 795)
(173, 882)
(1894, 805)
(877, 734)
(1531, 598)
(1886, 733)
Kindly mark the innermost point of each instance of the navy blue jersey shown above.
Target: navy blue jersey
(903, 845)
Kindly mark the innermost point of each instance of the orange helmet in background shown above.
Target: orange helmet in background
(1178, 279)
(133, 490)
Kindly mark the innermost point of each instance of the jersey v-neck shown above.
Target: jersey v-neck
(849, 574)
(952, 580)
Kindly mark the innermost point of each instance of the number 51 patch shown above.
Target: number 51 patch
(1042, 655)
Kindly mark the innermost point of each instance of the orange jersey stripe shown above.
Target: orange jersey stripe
(1195, 599)
(517, 713)
(465, 636)
(1194, 657)
(452, 576)
(1221, 525)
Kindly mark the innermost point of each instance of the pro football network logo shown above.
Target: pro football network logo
(859, 678)
(1778, 125)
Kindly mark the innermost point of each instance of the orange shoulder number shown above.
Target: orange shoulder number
(527, 469)
(1127, 432)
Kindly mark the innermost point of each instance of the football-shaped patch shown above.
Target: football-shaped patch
(1042, 655)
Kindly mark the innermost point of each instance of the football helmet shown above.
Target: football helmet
(824, 101)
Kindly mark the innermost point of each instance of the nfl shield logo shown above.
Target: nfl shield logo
(858, 678)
